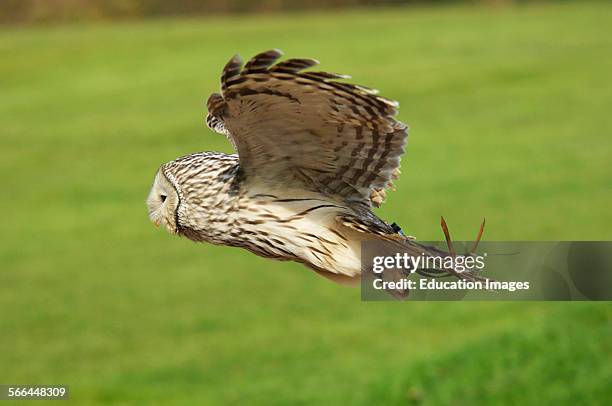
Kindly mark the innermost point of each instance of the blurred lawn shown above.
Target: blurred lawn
(510, 116)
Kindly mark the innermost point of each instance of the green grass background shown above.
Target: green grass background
(510, 115)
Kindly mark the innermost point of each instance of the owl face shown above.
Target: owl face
(163, 203)
(195, 196)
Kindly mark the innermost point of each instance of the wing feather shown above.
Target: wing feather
(292, 126)
(294, 65)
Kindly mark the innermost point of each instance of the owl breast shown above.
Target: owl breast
(300, 228)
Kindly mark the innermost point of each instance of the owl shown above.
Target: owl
(314, 156)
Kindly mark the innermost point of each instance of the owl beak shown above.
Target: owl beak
(157, 223)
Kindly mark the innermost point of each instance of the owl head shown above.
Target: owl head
(192, 193)
(163, 202)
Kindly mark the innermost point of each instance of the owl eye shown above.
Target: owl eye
(163, 198)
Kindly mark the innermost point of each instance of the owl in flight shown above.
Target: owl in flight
(314, 156)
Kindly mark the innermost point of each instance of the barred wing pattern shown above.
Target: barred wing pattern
(288, 125)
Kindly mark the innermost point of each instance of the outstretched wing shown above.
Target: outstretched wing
(292, 126)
